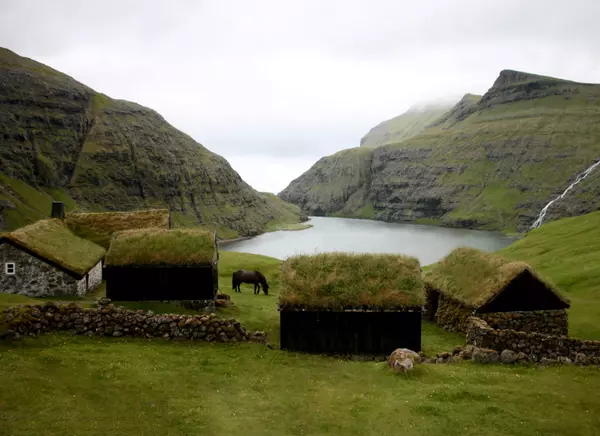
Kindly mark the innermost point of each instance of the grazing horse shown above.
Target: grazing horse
(254, 277)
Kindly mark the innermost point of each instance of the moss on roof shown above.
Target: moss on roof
(474, 277)
(339, 281)
(99, 227)
(161, 247)
(52, 240)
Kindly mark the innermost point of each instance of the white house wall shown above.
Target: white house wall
(94, 277)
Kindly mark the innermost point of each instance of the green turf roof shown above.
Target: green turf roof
(342, 281)
(161, 247)
(51, 240)
(474, 277)
(99, 227)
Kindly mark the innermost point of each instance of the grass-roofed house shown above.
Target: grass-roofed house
(47, 259)
(340, 303)
(161, 264)
(506, 294)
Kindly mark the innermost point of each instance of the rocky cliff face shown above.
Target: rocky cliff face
(490, 163)
(404, 126)
(60, 139)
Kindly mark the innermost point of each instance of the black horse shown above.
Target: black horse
(254, 277)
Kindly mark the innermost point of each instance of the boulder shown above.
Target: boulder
(403, 360)
(508, 356)
(484, 355)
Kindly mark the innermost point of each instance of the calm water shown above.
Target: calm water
(427, 243)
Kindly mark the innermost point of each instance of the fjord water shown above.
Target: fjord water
(428, 243)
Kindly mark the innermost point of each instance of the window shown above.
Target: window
(10, 268)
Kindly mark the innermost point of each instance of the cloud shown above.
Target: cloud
(289, 82)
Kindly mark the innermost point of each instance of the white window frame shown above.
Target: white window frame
(10, 266)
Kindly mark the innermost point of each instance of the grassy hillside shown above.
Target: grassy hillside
(568, 252)
(63, 140)
(407, 125)
(59, 384)
(489, 163)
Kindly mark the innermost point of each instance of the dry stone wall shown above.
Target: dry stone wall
(34, 277)
(109, 320)
(551, 322)
(452, 315)
(538, 347)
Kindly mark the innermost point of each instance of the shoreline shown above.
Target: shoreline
(229, 241)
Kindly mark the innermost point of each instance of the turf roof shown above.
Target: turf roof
(99, 227)
(161, 247)
(341, 281)
(474, 277)
(51, 240)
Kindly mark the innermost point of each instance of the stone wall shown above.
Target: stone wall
(452, 315)
(109, 320)
(551, 322)
(537, 346)
(94, 277)
(34, 277)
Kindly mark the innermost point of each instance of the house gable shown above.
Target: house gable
(524, 293)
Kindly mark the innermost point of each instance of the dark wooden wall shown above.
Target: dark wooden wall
(524, 293)
(349, 332)
(161, 283)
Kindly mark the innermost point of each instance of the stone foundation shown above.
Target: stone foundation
(551, 322)
(108, 320)
(537, 346)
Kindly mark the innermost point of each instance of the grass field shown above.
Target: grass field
(62, 385)
(568, 253)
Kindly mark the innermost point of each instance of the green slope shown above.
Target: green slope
(567, 252)
(491, 163)
(404, 126)
(60, 384)
(63, 140)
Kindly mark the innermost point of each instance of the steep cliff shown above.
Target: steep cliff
(407, 125)
(60, 139)
(490, 163)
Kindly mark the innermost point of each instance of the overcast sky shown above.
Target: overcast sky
(274, 85)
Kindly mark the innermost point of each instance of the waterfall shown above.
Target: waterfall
(580, 177)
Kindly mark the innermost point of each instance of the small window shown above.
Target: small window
(10, 268)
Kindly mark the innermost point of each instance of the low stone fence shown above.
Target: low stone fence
(109, 320)
(551, 322)
(537, 346)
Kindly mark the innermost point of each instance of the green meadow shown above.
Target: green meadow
(63, 385)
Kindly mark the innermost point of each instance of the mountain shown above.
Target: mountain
(407, 125)
(489, 163)
(61, 139)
